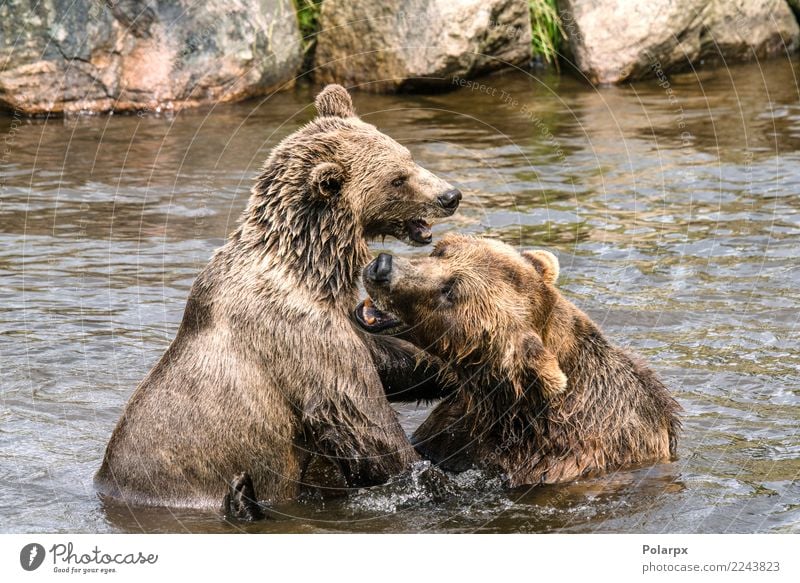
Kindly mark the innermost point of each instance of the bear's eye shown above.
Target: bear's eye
(448, 292)
(399, 181)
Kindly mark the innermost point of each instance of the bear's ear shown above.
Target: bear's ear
(326, 179)
(545, 263)
(334, 101)
(537, 362)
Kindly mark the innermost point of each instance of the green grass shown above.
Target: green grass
(308, 19)
(547, 30)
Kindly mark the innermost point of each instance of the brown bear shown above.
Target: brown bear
(544, 396)
(268, 374)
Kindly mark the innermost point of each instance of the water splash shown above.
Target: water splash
(426, 485)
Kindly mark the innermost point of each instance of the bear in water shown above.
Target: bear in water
(268, 379)
(544, 396)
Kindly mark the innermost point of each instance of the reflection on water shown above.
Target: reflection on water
(676, 223)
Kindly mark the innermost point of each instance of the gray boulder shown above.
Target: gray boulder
(615, 40)
(68, 56)
(418, 44)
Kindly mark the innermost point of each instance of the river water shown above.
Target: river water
(673, 209)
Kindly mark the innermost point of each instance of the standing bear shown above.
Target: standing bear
(544, 396)
(268, 375)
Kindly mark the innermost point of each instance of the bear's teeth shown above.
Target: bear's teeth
(370, 320)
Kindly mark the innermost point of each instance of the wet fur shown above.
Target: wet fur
(513, 337)
(267, 374)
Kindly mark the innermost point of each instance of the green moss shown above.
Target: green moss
(547, 30)
(308, 20)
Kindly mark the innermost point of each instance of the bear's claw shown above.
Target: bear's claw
(240, 502)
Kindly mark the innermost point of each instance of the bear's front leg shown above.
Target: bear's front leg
(445, 437)
(361, 436)
(408, 373)
(538, 363)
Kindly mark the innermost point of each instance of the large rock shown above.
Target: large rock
(407, 44)
(616, 40)
(89, 55)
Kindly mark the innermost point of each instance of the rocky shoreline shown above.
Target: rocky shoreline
(92, 56)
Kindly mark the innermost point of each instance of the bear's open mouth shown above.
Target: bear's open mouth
(373, 319)
(419, 231)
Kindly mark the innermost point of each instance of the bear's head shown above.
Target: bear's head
(339, 173)
(477, 303)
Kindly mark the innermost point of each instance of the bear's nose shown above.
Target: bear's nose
(450, 199)
(380, 268)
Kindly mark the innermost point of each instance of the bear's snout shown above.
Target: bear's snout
(450, 199)
(379, 270)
